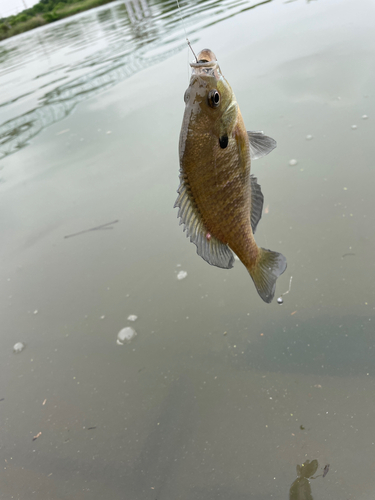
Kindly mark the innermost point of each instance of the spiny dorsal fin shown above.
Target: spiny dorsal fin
(260, 144)
(210, 249)
(256, 203)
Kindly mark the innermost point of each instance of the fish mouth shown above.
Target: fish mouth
(205, 59)
(204, 64)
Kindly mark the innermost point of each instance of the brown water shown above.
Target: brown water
(219, 395)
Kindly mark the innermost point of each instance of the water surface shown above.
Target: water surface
(218, 395)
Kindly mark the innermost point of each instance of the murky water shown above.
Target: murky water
(218, 395)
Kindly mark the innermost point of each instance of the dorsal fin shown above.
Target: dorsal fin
(260, 144)
(210, 249)
(256, 203)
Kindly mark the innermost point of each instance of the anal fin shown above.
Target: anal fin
(209, 248)
(256, 203)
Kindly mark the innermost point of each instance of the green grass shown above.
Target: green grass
(46, 11)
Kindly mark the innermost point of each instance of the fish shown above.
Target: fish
(219, 202)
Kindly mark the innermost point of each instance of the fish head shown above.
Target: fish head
(209, 99)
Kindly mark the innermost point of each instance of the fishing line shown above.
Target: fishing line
(183, 25)
(280, 299)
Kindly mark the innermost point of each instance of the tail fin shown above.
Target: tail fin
(268, 268)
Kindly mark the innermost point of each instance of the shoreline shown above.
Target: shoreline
(23, 22)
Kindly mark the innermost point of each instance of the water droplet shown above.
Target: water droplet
(309, 137)
(364, 117)
(354, 127)
(132, 317)
(181, 275)
(293, 162)
(125, 335)
(280, 300)
(18, 347)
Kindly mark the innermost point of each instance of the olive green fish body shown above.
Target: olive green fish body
(220, 203)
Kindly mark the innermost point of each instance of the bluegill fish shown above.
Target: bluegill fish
(220, 203)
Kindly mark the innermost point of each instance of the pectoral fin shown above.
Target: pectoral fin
(260, 144)
(208, 247)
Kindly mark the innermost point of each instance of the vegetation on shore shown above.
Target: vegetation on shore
(46, 11)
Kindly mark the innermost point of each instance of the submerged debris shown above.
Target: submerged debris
(132, 317)
(293, 162)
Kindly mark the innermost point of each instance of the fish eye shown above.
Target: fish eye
(213, 98)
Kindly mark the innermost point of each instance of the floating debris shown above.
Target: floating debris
(18, 347)
(280, 299)
(293, 162)
(63, 131)
(107, 225)
(181, 275)
(364, 117)
(36, 437)
(354, 127)
(309, 137)
(132, 317)
(125, 335)
(325, 470)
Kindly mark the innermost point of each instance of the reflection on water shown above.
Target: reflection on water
(301, 488)
(134, 35)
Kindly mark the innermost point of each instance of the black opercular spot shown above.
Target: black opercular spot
(223, 141)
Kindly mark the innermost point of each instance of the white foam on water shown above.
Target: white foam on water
(125, 335)
(181, 275)
(18, 347)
